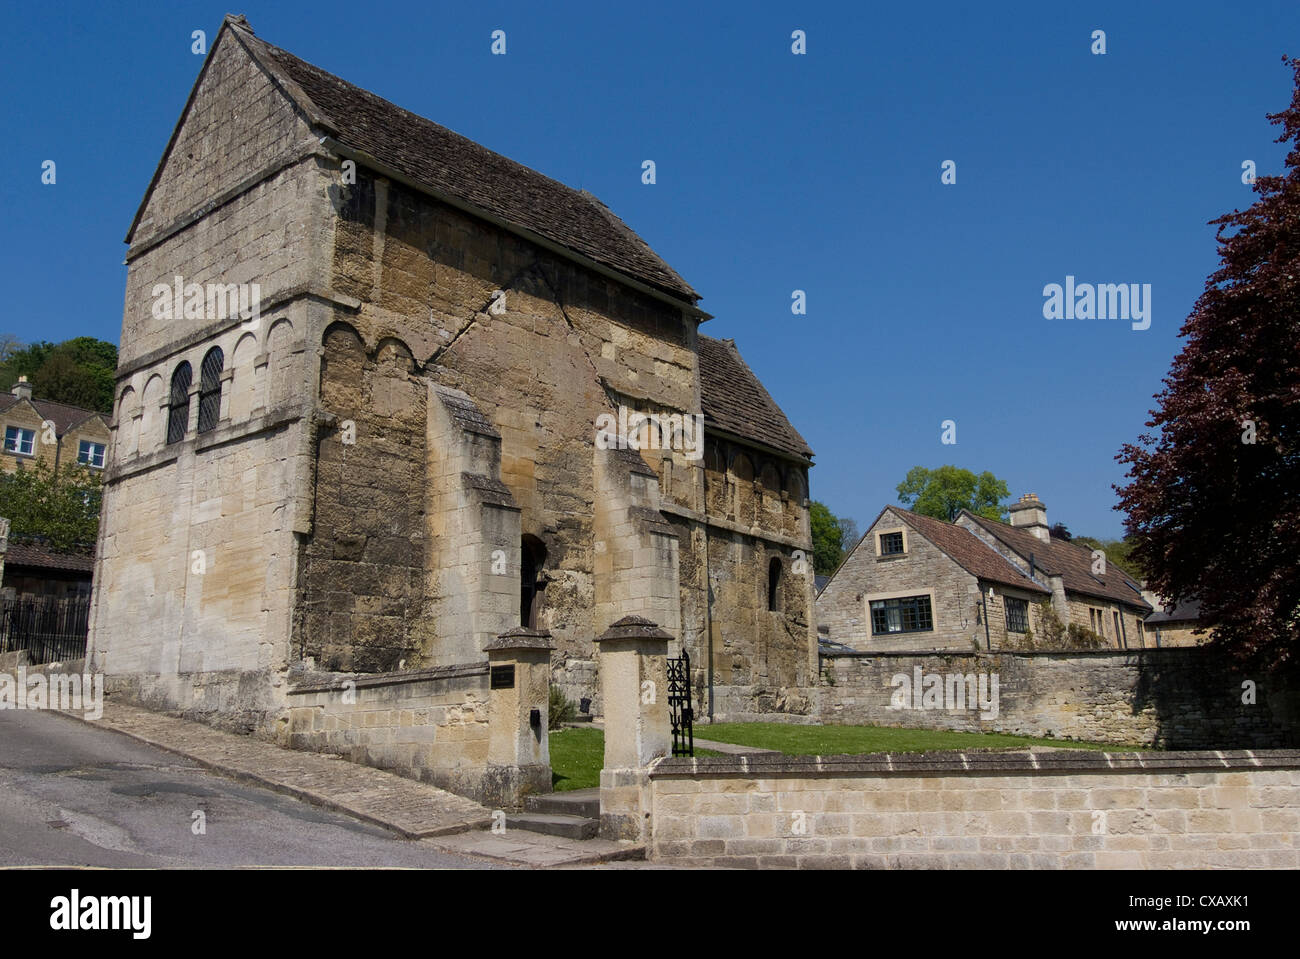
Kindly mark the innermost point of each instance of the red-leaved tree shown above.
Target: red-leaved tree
(1213, 501)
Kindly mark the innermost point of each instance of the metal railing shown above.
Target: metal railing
(50, 629)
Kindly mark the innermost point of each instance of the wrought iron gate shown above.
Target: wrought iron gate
(679, 704)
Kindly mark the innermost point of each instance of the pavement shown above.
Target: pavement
(439, 820)
(73, 795)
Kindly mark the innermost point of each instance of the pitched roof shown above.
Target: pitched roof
(1188, 611)
(453, 166)
(32, 554)
(968, 551)
(63, 416)
(1072, 563)
(735, 401)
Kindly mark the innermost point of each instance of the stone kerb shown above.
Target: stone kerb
(634, 689)
(519, 757)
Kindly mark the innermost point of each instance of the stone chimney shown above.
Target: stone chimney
(1031, 515)
(22, 389)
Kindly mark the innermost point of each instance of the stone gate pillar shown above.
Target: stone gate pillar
(634, 690)
(519, 678)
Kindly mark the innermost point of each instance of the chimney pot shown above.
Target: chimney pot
(22, 389)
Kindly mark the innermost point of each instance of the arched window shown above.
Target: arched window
(178, 417)
(210, 389)
(774, 585)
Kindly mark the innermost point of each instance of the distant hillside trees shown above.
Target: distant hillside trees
(78, 372)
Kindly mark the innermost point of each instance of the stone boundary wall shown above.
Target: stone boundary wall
(1172, 698)
(1056, 809)
(430, 725)
(10, 662)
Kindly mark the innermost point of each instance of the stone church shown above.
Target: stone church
(389, 454)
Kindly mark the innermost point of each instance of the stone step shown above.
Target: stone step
(568, 827)
(584, 803)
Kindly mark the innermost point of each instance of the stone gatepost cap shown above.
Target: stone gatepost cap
(521, 637)
(634, 627)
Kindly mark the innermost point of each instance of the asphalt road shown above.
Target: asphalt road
(74, 795)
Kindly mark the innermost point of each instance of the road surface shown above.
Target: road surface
(74, 795)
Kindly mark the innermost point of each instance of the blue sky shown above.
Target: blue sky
(775, 172)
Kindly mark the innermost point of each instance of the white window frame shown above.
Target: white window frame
(23, 437)
(90, 460)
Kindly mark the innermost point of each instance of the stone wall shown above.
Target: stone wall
(1045, 810)
(195, 565)
(429, 724)
(362, 584)
(1176, 698)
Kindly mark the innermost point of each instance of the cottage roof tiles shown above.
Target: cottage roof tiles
(1072, 563)
(454, 166)
(968, 551)
(735, 401)
(32, 554)
(63, 416)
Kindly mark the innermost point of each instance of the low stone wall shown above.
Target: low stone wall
(1173, 698)
(11, 661)
(430, 725)
(1056, 809)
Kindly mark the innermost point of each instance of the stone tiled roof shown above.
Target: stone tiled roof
(31, 554)
(1072, 563)
(63, 416)
(449, 164)
(735, 401)
(968, 551)
(1188, 611)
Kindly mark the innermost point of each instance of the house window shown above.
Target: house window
(911, 614)
(774, 585)
(891, 544)
(210, 389)
(1119, 631)
(90, 454)
(19, 440)
(1017, 615)
(178, 416)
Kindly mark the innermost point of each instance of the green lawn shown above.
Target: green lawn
(577, 754)
(851, 740)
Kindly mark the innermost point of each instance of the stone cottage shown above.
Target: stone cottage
(918, 583)
(914, 582)
(54, 433)
(385, 395)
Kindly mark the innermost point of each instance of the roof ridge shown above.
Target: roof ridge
(909, 515)
(276, 54)
(772, 403)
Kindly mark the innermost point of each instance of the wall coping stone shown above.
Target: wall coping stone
(1055, 761)
(1172, 651)
(521, 637)
(633, 627)
(336, 681)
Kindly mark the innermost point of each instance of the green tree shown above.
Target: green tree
(60, 510)
(1211, 500)
(831, 538)
(946, 491)
(78, 372)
